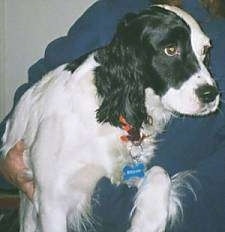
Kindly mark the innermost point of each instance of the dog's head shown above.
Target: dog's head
(162, 49)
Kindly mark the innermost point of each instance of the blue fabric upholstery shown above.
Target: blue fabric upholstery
(188, 143)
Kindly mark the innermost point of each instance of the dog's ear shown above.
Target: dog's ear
(120, 78)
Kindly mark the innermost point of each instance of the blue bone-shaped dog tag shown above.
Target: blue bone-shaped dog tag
(136, 170)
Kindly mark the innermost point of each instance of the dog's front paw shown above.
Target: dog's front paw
(150, 211)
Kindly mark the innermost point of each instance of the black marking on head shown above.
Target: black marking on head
(135, 60)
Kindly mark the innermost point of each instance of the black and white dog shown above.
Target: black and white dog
(95, 116)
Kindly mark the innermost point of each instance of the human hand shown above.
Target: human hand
(13, 169)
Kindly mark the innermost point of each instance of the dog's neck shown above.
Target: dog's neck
(158, 118)
(141, 143)
(158, 115)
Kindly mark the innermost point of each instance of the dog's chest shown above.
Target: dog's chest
(126, 159)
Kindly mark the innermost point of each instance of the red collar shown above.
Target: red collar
(133, 134)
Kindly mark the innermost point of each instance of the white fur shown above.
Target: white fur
(157, 200)
(68, 151)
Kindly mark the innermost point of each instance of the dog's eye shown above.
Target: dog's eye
(172, 50)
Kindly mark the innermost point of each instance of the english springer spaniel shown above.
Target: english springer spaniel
(98, 116)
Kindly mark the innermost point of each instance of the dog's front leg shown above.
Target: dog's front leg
(150, 212)
(52, 217)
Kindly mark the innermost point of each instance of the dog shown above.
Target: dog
(99, 115)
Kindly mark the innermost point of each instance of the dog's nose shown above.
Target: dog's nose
(207, 93)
